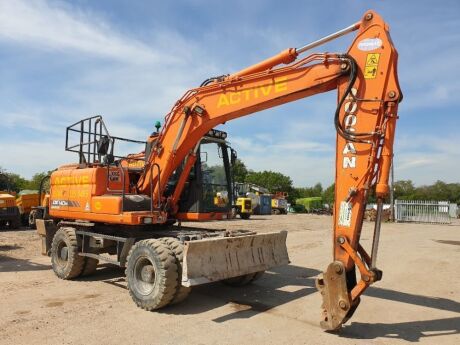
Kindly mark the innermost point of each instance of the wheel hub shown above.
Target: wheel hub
(64, 254)
(148, 274)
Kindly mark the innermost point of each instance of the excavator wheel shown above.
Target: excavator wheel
(245, 215)
(177, 248)
(151, 272)
(66, 262)
(243, 280)
(89, 267)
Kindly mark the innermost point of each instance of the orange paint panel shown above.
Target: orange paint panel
(126, 218)
(106, 204)
(73, 189)
(201, 216)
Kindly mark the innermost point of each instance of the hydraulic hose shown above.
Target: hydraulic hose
(343, 132)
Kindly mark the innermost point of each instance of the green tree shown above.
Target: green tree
(16, 183)
(4, 180)
(439, 191)
(12, 182)
(403, 189)
(37, 178)
(329, 195)
(273, 181)
(307, 192)
(239, 171)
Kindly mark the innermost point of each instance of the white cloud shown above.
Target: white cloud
(425, 159)
(306, 162)
(303, 168)
(127, 81)
(39, 154)
(420, 158)
(54, 25)
(134, 81)
(15, 120)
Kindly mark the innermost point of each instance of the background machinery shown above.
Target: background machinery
(102, 209)
(279, 203)
(9, 211)
(242, 202)
(30, 206)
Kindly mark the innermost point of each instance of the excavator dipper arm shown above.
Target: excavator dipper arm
(368, 96)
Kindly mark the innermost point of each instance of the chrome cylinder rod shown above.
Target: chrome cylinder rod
(328, 38)
(375, 241)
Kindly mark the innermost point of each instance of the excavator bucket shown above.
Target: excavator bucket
(214, 259)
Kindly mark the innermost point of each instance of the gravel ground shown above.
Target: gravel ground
(418, 299)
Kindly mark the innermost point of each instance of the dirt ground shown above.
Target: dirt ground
(418, 299)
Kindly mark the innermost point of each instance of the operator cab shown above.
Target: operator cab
(207, 194)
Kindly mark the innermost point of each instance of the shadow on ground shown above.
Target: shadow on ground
(13, 264)
(6, 229)
(247, 301)
(6, 247)
(261, 296)
(267, 293)
(109, 274)
(423, 301)
(9, 264)
(408, 331)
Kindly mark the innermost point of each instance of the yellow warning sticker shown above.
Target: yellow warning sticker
(372, 63)
(372, 59)
(370, 72)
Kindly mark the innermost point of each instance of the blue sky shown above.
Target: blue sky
(131, 60)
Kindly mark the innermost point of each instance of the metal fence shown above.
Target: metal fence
(421, 211)
(453, 210)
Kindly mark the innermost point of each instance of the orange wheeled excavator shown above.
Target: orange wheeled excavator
(122, 209)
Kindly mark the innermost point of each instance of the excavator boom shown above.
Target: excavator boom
(368, 95)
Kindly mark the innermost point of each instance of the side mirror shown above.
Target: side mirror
(103, 145)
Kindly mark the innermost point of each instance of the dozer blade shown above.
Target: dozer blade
(214, 259)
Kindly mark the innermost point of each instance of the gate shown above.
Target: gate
(421, 211)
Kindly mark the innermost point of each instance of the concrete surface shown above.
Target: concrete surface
(417, 301)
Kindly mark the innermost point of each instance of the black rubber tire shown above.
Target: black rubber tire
(245, 215)
(15, 223)
(70, 265)
(25, 219)
(276, 212)
(89, 267)
(177, 247)
(243, 280)
(151, 273)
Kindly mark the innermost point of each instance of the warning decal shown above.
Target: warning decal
(372, 63)
(345, 214)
